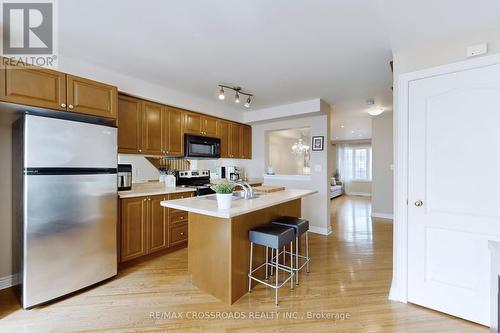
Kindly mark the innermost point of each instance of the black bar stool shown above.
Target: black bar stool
(300, 227)
(275, 237)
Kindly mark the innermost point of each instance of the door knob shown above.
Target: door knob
(419, 203)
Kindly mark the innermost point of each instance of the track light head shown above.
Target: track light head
(237, 97)
(221, 94)
(247, 103)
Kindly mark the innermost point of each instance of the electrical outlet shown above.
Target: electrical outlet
(475, 50)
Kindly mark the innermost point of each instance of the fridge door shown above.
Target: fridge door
(69, 234)
(51, 142)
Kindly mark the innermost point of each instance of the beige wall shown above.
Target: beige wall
(360, 188)
(443, 52)
(316, 208)
(382, 159)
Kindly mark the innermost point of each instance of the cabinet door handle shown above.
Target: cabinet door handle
(149, 199)
(63, 105)
(70, 106)
(140, 150)
(182, 234)
(182, 217)
(144, 200)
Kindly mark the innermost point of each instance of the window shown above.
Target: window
(362, 164)
(355, 162)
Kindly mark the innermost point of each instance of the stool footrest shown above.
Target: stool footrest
(281, 267)
(301, 257)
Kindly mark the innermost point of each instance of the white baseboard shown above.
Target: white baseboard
(319, 230)
(361, 194)
(383, 216)
(8, 281)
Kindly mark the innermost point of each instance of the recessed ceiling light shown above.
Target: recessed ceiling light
(352, 132)
(342, 126)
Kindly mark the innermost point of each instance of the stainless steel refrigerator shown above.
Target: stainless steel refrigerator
(68, 207)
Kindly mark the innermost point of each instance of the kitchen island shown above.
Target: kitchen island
(218, 247)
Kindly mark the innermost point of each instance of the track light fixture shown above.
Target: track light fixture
(238, 91)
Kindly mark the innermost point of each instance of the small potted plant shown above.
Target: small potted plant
(224, 193)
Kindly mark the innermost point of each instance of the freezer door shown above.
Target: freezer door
(61, 143)
(69, 234)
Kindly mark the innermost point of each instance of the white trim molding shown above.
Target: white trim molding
(8, 281)
(361, 194)
(383, 215)
(320, 230)
(399, 287)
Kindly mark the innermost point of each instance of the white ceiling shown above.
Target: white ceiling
(282, 51)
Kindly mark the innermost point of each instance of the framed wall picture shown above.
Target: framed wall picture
(318, 143)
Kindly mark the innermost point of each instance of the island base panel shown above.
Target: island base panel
(218, 249)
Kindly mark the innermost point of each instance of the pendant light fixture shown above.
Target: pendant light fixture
(238, 91)
(373, 109)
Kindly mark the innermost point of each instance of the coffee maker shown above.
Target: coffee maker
(124, 177)
(232, 173)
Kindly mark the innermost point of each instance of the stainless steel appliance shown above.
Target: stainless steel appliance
(232, 173)
(197, 179)
(124, 177)
(199, 147)
(68, 212)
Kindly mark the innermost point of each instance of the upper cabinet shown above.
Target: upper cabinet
(224, 138)
(129, 125)
(173, 133)
(201, 125)
(33, 86)
(234, 140)
(153, 128)
(91, 97)
(246, 142)
(45, 88)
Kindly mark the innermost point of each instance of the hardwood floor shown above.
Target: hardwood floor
(350, 277)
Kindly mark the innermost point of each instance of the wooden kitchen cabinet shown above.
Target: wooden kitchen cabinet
(234, 140)
(33, 86)
(200, 125)
(45, 88)
(246, 142)
(224, 138)
(173, 134)
(91, 97)
(147, 227)
(158, 224)
(134, 217)
(152, 128)
(129, 125)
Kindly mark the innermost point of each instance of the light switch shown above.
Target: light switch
(476, 50)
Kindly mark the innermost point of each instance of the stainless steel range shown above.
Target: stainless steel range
(197, 179)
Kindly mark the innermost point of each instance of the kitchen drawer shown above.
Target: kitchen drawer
(182, 195)
(178, 233)
(178, 217)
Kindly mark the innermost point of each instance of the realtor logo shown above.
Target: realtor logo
(28, 32)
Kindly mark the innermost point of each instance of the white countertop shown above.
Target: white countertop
(153, 188)
(204, 206)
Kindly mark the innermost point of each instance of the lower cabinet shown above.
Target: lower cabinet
(147, 227)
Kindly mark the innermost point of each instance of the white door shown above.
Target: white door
(454, 170)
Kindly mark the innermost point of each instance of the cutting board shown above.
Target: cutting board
(268, 189)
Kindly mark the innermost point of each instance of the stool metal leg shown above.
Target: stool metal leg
(284, 254)
(297, 259)
(277, 273)
(272, 258)
(249, 278)
(307, 251)
(267, 256)
(291, 265)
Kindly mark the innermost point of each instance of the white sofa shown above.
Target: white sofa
(336, 188)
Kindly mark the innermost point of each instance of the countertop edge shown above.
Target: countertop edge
(227, 214)
(145, 193)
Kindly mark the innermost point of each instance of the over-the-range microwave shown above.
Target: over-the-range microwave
(197, 147)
